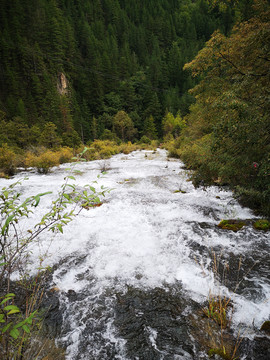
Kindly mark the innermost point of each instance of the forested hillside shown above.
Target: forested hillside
(77, 63)
(194, 73)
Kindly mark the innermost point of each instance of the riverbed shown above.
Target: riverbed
(133, 275)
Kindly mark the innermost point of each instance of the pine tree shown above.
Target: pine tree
(49, 137)
(149, 129)
(123, 126)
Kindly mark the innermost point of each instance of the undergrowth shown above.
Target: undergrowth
(43, 159)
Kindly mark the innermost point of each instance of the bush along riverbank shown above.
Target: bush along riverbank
(252, 190)
(43, 158)
(226, 139)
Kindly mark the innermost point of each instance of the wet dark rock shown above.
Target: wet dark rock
(261, 348)
(257, 349)
(72, 296)
(52, 314)
(152, 323)
(208, 212)
(266, 327)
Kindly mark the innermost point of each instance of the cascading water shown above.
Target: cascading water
(134, 273)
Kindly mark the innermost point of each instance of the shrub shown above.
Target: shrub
(127, 148)
(170, 145)
(145, 140)
(109, 135)
(198, 153)
(106, 153)
(7, 160)
(101, 149)
(43, 162)
(257, 200)
(154, 144)
(65, 154)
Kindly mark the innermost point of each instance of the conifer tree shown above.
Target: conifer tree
(149, 129)
(49, 137)
(123, 126)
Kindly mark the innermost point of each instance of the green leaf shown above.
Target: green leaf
(13, 312)
(59, 226)
(26, 329)
(71, 177)
(7, 222)
(5, 328)
(11, 307)
(72, 186)
(20, 324)
(14, 333)
(29, 320)
(5, 300)
(9, 295)
(37, 198)
(84, 151)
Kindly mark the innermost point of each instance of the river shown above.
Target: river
(134, 274)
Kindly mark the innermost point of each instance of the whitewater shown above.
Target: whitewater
(124, 268)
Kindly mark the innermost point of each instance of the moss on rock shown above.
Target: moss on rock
(233, 225)
(262, 225)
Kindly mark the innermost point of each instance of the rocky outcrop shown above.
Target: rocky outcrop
(62, 84)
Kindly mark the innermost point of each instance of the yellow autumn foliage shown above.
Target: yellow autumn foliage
(42, 162)
(65, 154)
(7, 160)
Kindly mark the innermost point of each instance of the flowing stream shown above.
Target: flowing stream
(135, 273)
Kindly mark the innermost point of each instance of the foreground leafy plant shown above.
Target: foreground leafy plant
(13, 327)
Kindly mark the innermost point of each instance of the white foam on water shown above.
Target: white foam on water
(141, 235)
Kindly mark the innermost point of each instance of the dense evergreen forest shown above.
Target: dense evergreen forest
(77, 63)
(194, 73)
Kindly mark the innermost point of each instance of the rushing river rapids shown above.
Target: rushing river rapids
(134, 274)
